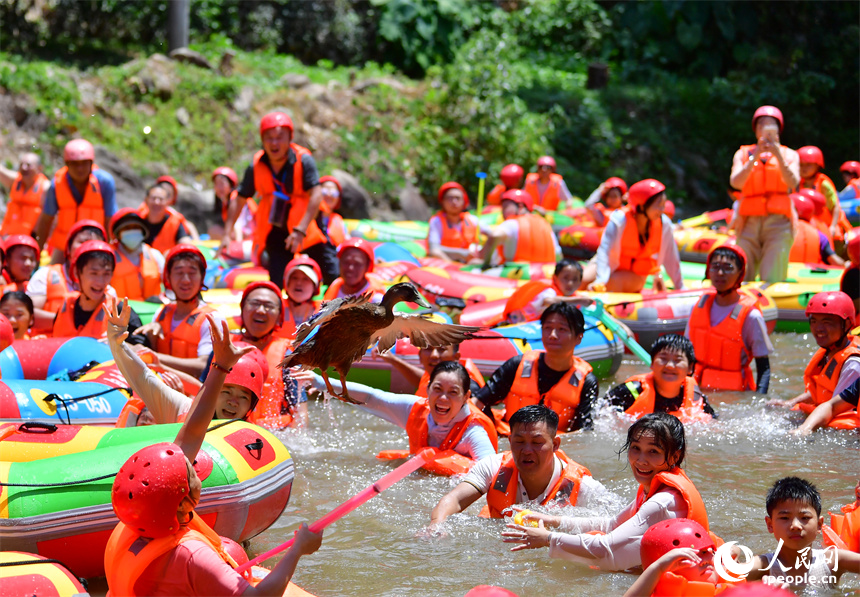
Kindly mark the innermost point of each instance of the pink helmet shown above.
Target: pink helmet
(360, 244)
(803, 206)
(7, 334)
(643, 190)
(742, 256)
(546, 161)
(852, 167)
(613, 182)
(810, 154)
(520, 197)
(227, 173)
(512, 175)
(270, 286)
(768, 111)
(831, 303)
(307, 266)
(453, 185)
(671, 534)
(149, 488)
(274, 120)
(78, 150)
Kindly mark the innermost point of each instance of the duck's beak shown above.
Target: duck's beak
(422, 301)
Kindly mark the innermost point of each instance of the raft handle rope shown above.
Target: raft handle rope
(37, 427)
(66, 401)
(81, 579)
(257, 445)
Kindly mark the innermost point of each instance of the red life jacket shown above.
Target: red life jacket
(822, 374)
(503, 491)
(64, 324)
(471, 368)
(764, 192)
(563, 397)
(692, 407)
(136, 282)
(635, 256)
(805, 247)
(181, 342)
(552, 193)
(24, 207)
(463, 238)
(722, 359)
(69, 211)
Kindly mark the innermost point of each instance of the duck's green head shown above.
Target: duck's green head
(404, 292)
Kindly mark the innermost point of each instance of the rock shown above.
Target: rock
(295, 80)
(197, 206)
(130, 188)
(355, 200)
(156, 76)
(191, 57)
(412, 203)
(243, 102)
(225, 67)
(183, 116)
(364, 85)
(145, 109)
(21, 110)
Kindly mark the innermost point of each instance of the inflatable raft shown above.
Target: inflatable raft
(28, 574)
(40, 359)
(64, 402)
(247, 475)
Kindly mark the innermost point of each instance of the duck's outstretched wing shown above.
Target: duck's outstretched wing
(327, 311)
(422, 332)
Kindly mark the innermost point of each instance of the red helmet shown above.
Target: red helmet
(803, 206)
(80, 225)
(853, 249)
(546, 161)
(810, 154)
(248, 373)
(171, 181)
(228, 173)
(831, 303)
(183, 249)
(742, 256)
(643, 190)
(7, 334)
(360, 244)
(269, 285)
(453, 185)
(613, 182)
(20, 240)
(671, 534)
(490, 591)
(126, 216)
(818, 200)
(274, 120)
(78, 150)
(512, 175)
(91, 246)
(337, 184)
(768, 111)
(520, 197)
(307, 266)
(851, 167)
(149, 488)
(669, 209)
(234, 550)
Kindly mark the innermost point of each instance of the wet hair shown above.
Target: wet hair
(573, 316)
(650, 201)
(674, 343)
(559, 267)
(668, 433)
(728, 254)
(793, 488)
(535, 413)
(17, 295)
(97, 257)
(453, 367)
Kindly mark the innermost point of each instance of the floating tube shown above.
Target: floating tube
(240, 276)
(694, 244)
(435, 282)
(388, 252)
(28, 574)
(851, 207)
(247, 476)
(580, 241)
(791, 300)
(60, 402)
(38, 359)
(403, 231)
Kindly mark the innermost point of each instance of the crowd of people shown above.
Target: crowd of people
(184, 367)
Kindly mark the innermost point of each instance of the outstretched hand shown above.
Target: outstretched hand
(526, 537)
(225, 353)
(117, 318)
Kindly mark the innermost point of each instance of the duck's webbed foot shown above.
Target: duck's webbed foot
(343, 396)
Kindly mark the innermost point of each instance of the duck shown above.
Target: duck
(341, 332)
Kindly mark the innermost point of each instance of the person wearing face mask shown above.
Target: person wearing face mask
(138, 266)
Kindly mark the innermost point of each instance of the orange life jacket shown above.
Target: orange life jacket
(675, 585)
(845, 531)
(692, 408)
(637, 257)
(463, 238)
(534, 240)
(24, 207)
(601, 207)
(552, 193)
(805, 247)
(225, 205)
(503, 491)
(335, 229)
(166, 238)
(288, 329)
(57, 288)
(64, 324)
(136, 282)
(722, 359)
(272, 410)
(68, 211)
(677, 479)
(563, 397)
(130, 413)
(128, 554)
(764, 192)
(266, 185)
(376, 285)
(494, 197)
(471, 368)
(822, 375)
(417, 428)
(181, 342)
(824, 185)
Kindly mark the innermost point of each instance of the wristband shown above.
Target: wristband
(302, 232)
(220, 368)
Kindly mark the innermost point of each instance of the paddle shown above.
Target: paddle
(481, 177)
(598, 311)
(708, 217)
(352, 503)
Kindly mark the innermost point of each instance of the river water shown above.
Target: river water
(374, 551)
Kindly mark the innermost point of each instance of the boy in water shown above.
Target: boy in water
(794, 517)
